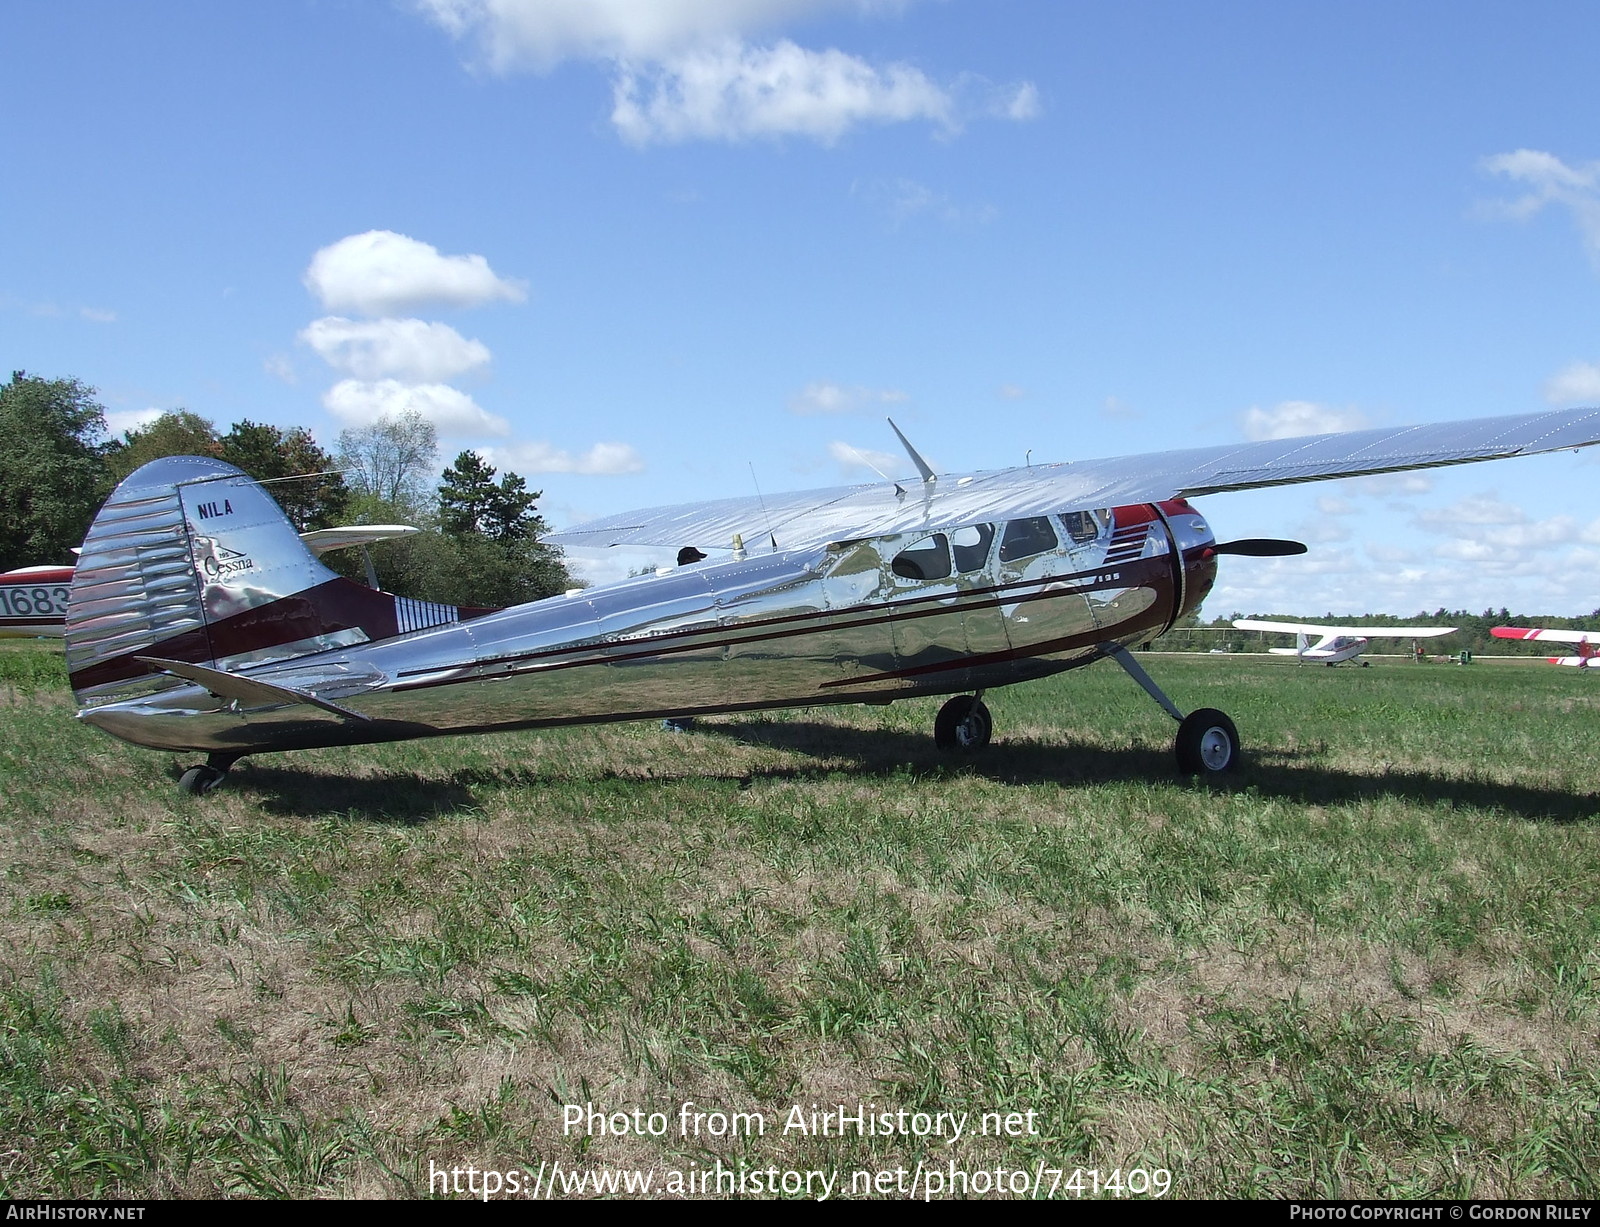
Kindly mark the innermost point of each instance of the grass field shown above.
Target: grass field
(1369, 967)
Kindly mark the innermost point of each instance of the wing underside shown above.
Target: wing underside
(842, 513)
(1550, 636)
(1354, 632)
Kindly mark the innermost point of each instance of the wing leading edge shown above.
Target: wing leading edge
(1353, 632)
(817, 517)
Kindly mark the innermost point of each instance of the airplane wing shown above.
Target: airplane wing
(321, 540)
(1361, 632)
(1553, 636)
(845, 513)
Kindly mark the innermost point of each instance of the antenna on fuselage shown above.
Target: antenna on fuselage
(761, 498)
(928, 475)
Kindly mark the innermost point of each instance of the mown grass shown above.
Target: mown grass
(1368, 967)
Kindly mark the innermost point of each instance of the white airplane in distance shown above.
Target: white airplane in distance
(1588, 642)
(1336, 644)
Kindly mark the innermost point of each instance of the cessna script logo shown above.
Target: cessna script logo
(220, 563)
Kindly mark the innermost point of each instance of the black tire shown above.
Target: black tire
(963, 724)
(197, 781)
(1207, 744)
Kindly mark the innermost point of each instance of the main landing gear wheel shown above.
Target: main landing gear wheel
(197, 781)
(963, 723)
(1208, 744)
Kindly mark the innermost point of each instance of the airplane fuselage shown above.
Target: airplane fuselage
(865, 621)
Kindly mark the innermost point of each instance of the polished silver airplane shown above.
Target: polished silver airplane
(198, 621)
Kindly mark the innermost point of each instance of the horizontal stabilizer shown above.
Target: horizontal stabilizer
(1361, 632)
(321, 540)
(247, 690)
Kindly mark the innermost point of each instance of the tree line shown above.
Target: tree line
(480, 542)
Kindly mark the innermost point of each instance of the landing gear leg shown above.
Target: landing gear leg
(208, 777)
(1207, 743)
(963, 723)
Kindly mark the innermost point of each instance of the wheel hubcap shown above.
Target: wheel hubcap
(1215, 749)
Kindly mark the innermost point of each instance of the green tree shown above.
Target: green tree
(466, 494)
(175, 433)
(470, 501)
(52, 468)
(392, 460)
(492, 532)
(315, 497)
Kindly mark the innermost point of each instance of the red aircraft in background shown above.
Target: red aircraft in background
(1588, 642)
(33, 602)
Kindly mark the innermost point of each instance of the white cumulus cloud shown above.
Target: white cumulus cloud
(538, 456)
(1577, 384)
(120, 421)
(359, 402)
(1388, 485)
(733, 92)
(864, 459)
(1549, 180)
(420, 351)
(1293, 418)
(685, 70)
(1489, 532)
(382, 273)
(824, 396)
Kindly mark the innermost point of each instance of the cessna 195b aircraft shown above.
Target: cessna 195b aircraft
(1336, 644)
(198, 621)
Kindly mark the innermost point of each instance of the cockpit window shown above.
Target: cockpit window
(1084, 526)
(971, 546)
(1025, 538)
(927, 559)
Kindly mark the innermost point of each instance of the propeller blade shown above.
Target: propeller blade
(1260, 547)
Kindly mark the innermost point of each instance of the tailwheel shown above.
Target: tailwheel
(197, 781)
(207, 776)
(963, 723)
(1207, 744)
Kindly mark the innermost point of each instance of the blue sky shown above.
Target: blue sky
(634, 248)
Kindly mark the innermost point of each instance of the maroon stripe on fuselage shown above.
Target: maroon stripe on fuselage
(337, 605)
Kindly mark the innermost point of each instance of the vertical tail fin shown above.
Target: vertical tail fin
(191, 560)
